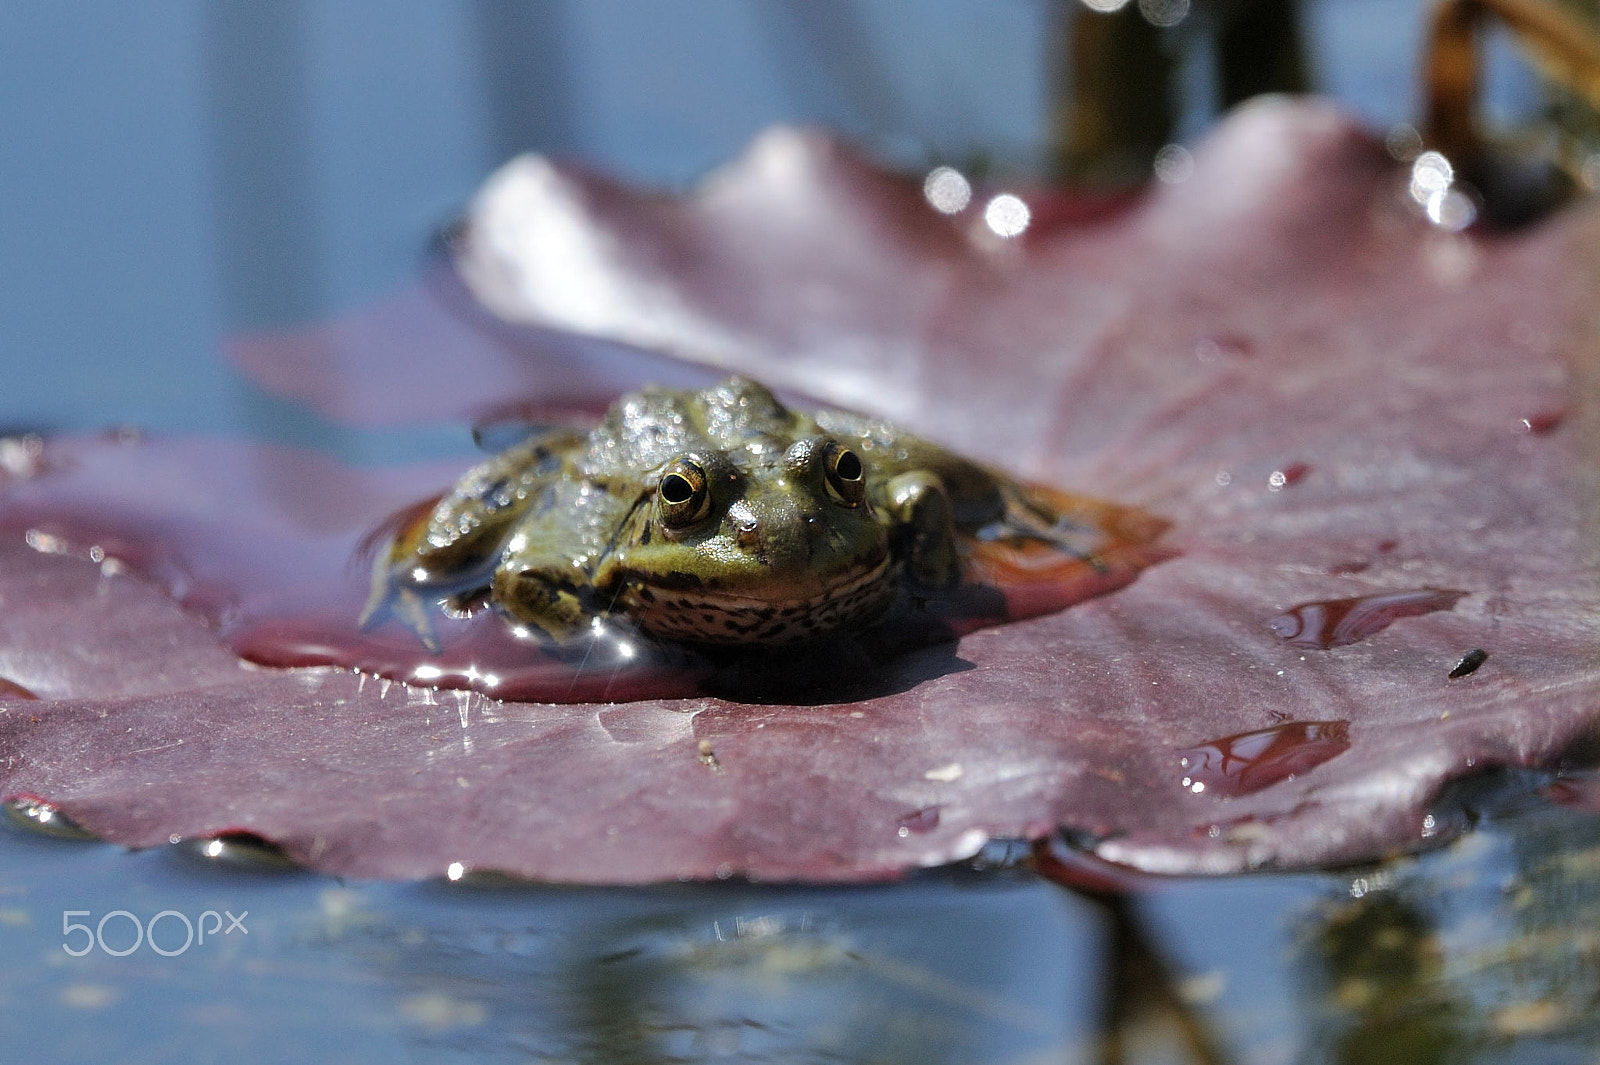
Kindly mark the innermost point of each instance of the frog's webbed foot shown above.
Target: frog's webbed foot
(925, 529)
(404, 603)
(545, 602)
(1028, 515)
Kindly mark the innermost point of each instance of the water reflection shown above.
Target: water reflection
(1373, 968)
(1485, 951)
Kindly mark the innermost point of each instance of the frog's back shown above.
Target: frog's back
(646, 429)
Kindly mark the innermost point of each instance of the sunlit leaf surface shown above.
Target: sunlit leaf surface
(1374, 438)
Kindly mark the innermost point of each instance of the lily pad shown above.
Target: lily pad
(1336, 405)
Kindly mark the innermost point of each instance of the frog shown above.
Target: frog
(718, 516)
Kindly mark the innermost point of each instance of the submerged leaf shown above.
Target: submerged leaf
(1328, 398)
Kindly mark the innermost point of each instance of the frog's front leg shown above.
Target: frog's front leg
(445, 552)
(545, 579)
(924, 529)
(550, 597)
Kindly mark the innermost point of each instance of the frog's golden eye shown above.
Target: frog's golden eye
(683, 495)
(847, 481)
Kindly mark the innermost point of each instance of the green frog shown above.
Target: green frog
(717, 516)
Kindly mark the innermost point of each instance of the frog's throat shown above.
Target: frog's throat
(705, 615)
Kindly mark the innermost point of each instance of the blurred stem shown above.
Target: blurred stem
(1114, 107)
(1260, 49)
(1138, 979)
(1564, 49)
(1116, 87)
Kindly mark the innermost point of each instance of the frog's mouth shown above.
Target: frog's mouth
(689, 609)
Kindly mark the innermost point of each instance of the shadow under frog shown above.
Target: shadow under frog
(780, 554)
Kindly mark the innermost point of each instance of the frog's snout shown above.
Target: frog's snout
(780, 536)
(747, 532)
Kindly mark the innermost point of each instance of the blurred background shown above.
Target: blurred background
(176, 172)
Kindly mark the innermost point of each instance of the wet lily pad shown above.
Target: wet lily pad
(1332, 401)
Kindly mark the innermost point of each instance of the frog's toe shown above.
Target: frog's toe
(1041, 514)
(404, 605)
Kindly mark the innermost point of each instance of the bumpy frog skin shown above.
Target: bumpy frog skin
(717, 516)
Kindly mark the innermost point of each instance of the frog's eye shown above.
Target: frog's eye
(684, 498)
(846, 478)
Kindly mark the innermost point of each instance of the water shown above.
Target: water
(1250, 761)
(1474, 952)
(179, 175)
(1328, 623)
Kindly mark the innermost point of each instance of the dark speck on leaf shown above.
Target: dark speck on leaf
(1469, 663)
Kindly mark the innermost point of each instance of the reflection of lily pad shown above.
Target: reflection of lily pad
(1328, 399)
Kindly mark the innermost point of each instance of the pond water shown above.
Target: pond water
(1484, 951)
(179, 174)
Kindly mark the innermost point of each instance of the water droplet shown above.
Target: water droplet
(12, 690)
(239, 848)
(1431, 173)
(1331, 623)
(947, 190)
(1250, 761)
(1006, 215)
(36, 815)
(1403, 142)
(1174, 164)
(1164, 12)
(22, 456)
(1451, 209)
(1543, 423)
(1590, 172)
(1209, 349)
(1291, 474)
(918, 822)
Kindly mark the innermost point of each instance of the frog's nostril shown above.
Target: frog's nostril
(747, 532)
(815, 526)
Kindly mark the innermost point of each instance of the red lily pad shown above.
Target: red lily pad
(1331, 401)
